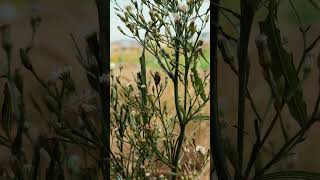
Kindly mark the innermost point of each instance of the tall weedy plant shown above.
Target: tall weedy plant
(285, 82)
(170, 31)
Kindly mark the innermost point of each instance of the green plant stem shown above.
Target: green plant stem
(218, 158)
(177, 106)
(247, 14)
(143, 89)
(178, 150)
(104, 27)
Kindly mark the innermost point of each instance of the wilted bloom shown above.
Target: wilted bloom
(177, 18)
(183, 7)
(201, 149)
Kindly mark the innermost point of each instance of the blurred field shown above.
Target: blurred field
(54, 49)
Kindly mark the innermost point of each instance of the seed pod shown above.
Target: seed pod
(157, 78)
(25, 60)
(263, 51)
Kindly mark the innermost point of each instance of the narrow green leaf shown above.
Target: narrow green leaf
(282, 65)
(197, 83)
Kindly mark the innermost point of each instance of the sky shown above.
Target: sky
(115, 35)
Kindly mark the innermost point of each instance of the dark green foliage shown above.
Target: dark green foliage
(282, 66)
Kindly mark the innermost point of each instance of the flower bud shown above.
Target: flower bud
(192, 28)
(123, 19)
(263, 51)
(129, 9)
(121, 30)
(152, 15)
(142, 18)
(207, 18)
